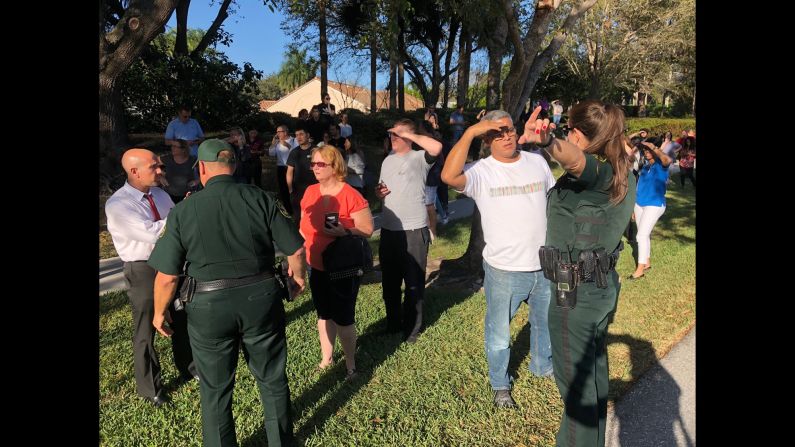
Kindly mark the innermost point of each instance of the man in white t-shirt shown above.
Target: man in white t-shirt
(403, 248)
(510, 190)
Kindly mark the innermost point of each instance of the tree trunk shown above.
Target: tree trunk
(373, 72)
(118, 49)
(464, 53)
(436, 75)
(474, 253)
(401, 80)
(448, 58)
(181, 41)
(392, 83)
(112, 126)
(496, 49)
(401, 89)
(527, 63)
(323, 48)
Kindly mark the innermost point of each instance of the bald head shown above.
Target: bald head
(143, 168)
(134, 157)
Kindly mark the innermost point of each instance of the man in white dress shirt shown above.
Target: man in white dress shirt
(136, 215)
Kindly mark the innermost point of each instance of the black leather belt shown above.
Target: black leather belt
(220, 284)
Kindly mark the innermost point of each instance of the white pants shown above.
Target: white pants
(645, 218)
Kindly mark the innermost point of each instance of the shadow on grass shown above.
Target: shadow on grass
(111, 302)
(520, 349)
(373, 349)
(641, 357)
(679, 216)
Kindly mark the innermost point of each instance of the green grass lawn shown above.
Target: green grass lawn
(435, 392)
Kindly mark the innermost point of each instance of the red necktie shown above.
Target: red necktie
(154, 207)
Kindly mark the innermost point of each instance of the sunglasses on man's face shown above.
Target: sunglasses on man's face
(319, 164)
(500, 134)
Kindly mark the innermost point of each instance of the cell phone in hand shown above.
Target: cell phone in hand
(332, 220)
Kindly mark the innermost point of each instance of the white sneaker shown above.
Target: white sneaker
(445, 220)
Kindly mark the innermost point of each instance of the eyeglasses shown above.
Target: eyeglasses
(567, 130)
(327, 97)
(319, 164)
(504, 132)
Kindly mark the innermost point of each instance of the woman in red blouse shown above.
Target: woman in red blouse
(334, 300)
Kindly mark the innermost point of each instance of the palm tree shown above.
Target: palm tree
(296, 68)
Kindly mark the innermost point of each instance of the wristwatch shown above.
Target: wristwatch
(549, 141)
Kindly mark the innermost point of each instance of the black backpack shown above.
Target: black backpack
(348, 256)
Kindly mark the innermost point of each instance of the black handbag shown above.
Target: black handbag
(348, 256)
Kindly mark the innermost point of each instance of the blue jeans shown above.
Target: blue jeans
(439, 207)
(505, 291)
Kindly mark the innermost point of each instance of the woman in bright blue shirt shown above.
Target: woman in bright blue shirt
(650, 201)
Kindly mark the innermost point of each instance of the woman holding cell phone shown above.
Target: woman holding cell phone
(330, 209)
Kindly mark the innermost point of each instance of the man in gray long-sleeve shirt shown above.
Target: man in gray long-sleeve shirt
(403, 248)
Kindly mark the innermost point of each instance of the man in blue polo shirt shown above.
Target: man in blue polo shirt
(183, 127)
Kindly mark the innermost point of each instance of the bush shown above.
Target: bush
(658, 126)
(267, 122)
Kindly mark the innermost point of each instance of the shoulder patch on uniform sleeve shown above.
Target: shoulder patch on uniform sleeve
(282, 209)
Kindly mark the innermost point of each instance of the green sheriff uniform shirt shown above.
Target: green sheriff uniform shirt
(225, 231)
(580, 215)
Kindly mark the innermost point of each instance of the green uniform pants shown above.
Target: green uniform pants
(218, 322)
(579, 358)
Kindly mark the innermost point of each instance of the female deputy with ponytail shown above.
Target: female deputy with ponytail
(587, 212)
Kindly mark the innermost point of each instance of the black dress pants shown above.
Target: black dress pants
(141, 278)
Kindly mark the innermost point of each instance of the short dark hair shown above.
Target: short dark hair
(185, 107)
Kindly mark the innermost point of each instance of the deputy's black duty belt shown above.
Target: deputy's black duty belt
(220, 284)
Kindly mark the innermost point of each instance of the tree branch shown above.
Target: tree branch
(212, 32)
(181, 40)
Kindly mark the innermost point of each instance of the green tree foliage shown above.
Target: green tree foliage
(221, 93)
(626, 46)
(411, 89)
(269, 88)
(296, 69)
(164, 43)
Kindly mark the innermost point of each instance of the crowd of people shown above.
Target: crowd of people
(542, 248)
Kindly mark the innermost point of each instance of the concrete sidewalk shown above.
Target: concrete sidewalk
(660, 409)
